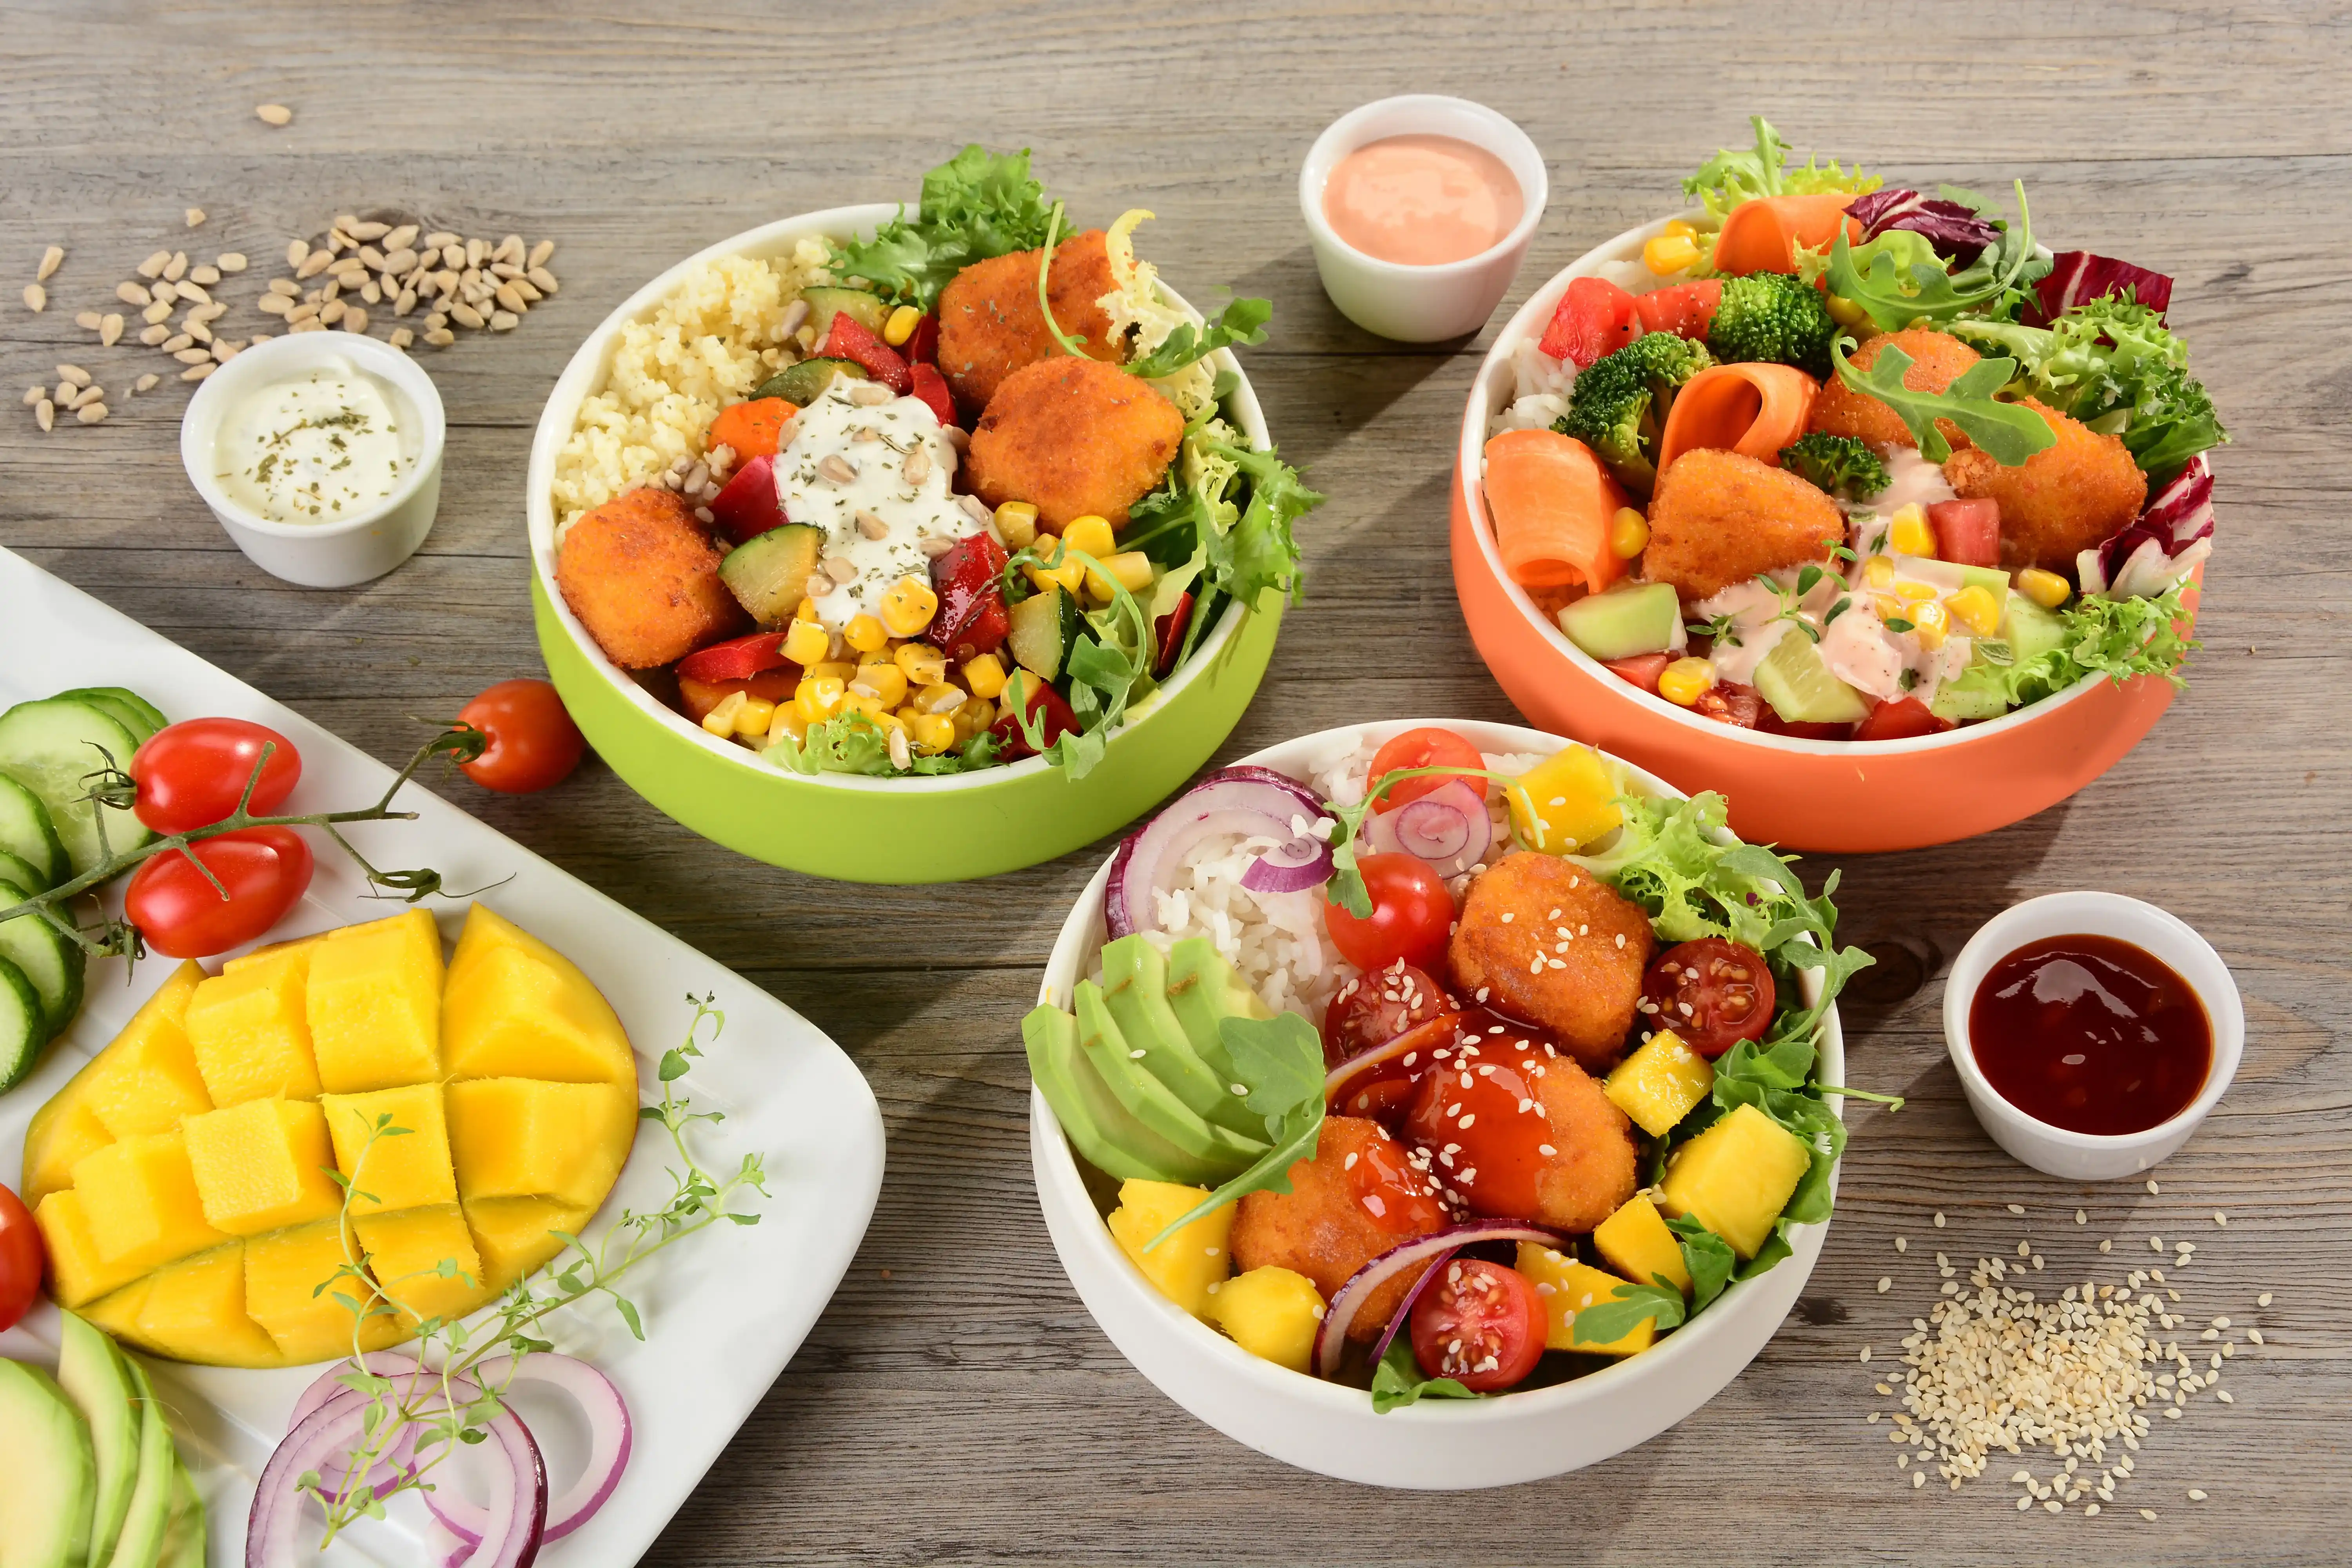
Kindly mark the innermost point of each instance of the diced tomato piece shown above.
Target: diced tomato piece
(971, 618)
(1967, 531)
(748, 505)
(1899, 718)
(1686, 310)
(1051, 711)
(737, 659)
(1772, 723)
(932, 388)
(1169, 630)
(1729, 702)
(700, 697)
(850, 341)
(1642, 669)
(1595, 318)
(922, 344)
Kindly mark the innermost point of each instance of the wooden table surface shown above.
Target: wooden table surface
(956, 1403)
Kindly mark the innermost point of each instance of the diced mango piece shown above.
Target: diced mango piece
(63, 1131)
(1273, 1313)
(1568, 1287)
(273, 949)
(195, 1310)
(118, 1313)
(1185, 1265)
(514, 1235)
(424, 1259)
(252, 1040)
(1638, 1244)
(262, 1165)
(78, 1273)
(283, 1275)
(140, 1197)
(375, 1004)
(518, 1137)
(1565, 802)
(515, 1007)
(389, 1170)
(1658, 1084)
(146, 1081)
(1736, 1177)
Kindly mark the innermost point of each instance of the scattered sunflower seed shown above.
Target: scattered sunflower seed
(273, 114)
(37, 299)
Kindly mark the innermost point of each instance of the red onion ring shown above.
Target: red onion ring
(399, 1461)
(611, 1436)
(1404, 1308)
(1242, 801)
(1431, 1035)
(1331, 1340)
(1303, 862)
(1448, 828)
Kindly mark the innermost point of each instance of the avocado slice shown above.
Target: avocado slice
(1645, 618)
(1204, 992)
(184, 1537)
(1151, 1103)
(1098, 1125)
(1797, 682)
(141, 1540)
(48, 1473)
(1135, 988)
(98, 1380)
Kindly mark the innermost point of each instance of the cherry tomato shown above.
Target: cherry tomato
(1423, 749)
(1712, 993)
(191, 773)
(1900, 720)
(1729, 704)
(533, 742)
(183, 915)
(20, 1259)
(1967, 531)
(1686, 310)
(1772, 723)
(1481, 1324)
(1413, 914)
(1642, 669)
(1373, 1009)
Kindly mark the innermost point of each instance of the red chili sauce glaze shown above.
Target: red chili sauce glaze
(2091, 1034)
(1393, 1191)
(1480, 1115)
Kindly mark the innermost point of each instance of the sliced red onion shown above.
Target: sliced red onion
(1303, 862)
(398, 1462)
(1331, 1340)
(1404, 1308)
(1338, 1081)
(611, 1435)
(1448, 828)
(1115, 905)
(1242, 802)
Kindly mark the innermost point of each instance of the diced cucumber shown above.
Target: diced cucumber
(768, 574)
(827, 300)
(137, 715)
(1975, 693)
(51, 747)
(1797, 684)
(1645, 618)
(27, 832)
(1044, 626)
(45, 955)
(2030, 630)
(803, 384)
(24, 1030)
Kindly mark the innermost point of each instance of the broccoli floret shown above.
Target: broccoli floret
(1772, 318)
(1836, 463)
(1619, 406)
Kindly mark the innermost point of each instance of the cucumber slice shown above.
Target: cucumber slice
(1044, 626)
(1794, 679)
(27, 832)
(803, 384)
(23, 873)
(45, 955)
(24, 1030)
(827, 300)
(768, 574)
(135, 712)
(1623, 622)
(51, 747)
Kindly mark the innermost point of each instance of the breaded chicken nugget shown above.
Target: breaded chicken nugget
(642, 576)
(2063, 499)
(1937, 360)
(1355, 1199)
(1071, 437)
(1508, 948)
(1720, 518)
(1516, 1131)
(990, 325)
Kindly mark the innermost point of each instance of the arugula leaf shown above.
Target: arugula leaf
(1627, 1306)
(2009, 432)
(975, 205)
(1900, 279)
(1295, 1138)
(1707, 1257)
(1243, 323)
(1280, 1059)
(1397, 1381)
(1776, 1247)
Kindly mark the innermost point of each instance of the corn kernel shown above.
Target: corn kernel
(985, 676)
(1677, 229)
(1974, 608)
(1629, 534)
(1909, 533)
(888, 721)
(1932, 622)
(1067, 576)
(805, 610)
(1685, 680)
(752, 719)
(720, 719)
(973, 717)
(1090, 535)
(939, 699)
(902, 325)
(934, 732)
(887, 681)
(864, 632)
(907, 606)
(787, 721)
(1669, 253)
(921, 663)
(1913, 593)
(2046, 589)
(844, 673)
(807, 643)
(1016, 522)
(855, 701)
(1845, 312)
(872, 656)
(818, 696)
(1878, 572)
(1888, 606)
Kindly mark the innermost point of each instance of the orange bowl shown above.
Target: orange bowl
(1833, 795)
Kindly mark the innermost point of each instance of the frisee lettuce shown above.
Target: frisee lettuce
(2113, 362)
(2118, 639)
(1736, 175)
(855, 744)
(975, 205)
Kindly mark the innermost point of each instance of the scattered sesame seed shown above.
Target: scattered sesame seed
(274, 114)
(2151, 1191)
(2023, 1503)
(1902, 1244)
(1865, 1353)
(2082, 1218)
(2255, 1335)
(1885, 1284)
(2089, 1509)
(2220, 1218)
(2156, 1244)
(2196, 1494)
(2220, 1322)
(1918, 1479)
(2225, 1396)
(2264, 1300)
(2054, 1505)
(1939, 1219)
(2149, 1514)
(2106, 1247)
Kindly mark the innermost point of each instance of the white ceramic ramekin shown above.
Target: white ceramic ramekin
(350, 550)
(1420, 304)
(2085, 1156)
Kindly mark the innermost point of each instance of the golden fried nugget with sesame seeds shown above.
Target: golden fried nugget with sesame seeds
(1361, 1195)
(2060, 502)
(642, 577)
(1720, 518)
(1516, 1130)
(1538, 939)
(990, 325)
(1072, 436)
(1592, 1169)
(1937, 360)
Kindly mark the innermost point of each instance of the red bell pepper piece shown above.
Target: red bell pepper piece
(748, 505)
(737, 659)
(1595, 318)
(850, 341)
(922, 344)
(1170, 629)
(1642, 669)
(969, 579)
(1047, 707)
(932, 388)
(700, 697)
(1967, 531)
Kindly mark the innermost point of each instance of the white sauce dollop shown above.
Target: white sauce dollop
(315, 446)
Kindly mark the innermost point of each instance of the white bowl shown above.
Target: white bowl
(1437, 1445)
(350, 550)
(2055, 1150)
(1420, 304)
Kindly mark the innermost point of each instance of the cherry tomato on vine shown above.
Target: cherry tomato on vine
(1425, 748)
(1712, 993)
(1413, 915)
(176, 907)
(1481, 1324)
(534, 744)
(191, 774)
(20, 1259)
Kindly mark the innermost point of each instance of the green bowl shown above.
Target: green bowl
(849, 827)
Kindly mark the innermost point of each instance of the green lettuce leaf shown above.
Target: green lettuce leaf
(1899, 279)
(1737, 174)
(2112, 364)
(2119, 638)
(1397, 1381)
(1605, 1322)
(975, 205)
(1707, 1257)
(1244, 323)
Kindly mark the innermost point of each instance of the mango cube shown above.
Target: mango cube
(517, 1137)
(1568, 1287)
(1637, 1244)
(269, 950)
(292, 1278)
(1736, 1177)
(78, 1273)
(1565, 802)
(423, 1259)
(118, 1313)
(147, 1080)
(1185, 1266)
(195, 1310)
(389, 1170)
(375, 1004)
(139, 1196)
(514, 1235)
(251, 1037)
(1658, 1084)
(64, 1130)
(1273, 1313)
(517, 1008)
(262, 1165)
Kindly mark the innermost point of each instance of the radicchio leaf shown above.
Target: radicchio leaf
(2161, 546)
(2077, 276)
(1959, 235)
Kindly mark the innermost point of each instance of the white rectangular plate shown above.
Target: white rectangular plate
(724, 1309)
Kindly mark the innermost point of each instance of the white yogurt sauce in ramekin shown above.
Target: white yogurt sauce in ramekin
(317, 445)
